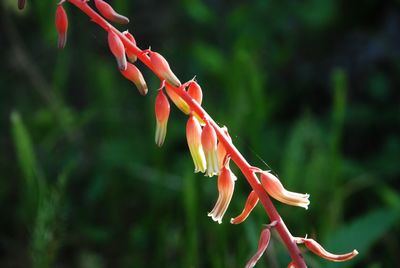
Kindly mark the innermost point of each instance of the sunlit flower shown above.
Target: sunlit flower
(221, 151)
(251, 202)
(162, 69)
(131, 56)
(262, 246)
(194, 90)
(226, 186)
(317, 249)
(61, 26)
(275, 189)
(177, 100)
(193, 136)
(109, 13)
(209, 143)
(117, 49)
(162, 110)
(135, 76)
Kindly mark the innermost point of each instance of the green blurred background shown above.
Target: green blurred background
(310, 87)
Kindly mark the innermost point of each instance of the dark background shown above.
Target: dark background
(310, 87)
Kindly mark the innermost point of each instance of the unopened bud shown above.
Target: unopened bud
(162, 109)
(109, 13)
(61, 26)
(194, 90)
(265, 236)
(209, 143)
(117, 49)
(162, 69)
(21, 4)
(177, 100)
(133, 74)
(251, 202)
(131, 56)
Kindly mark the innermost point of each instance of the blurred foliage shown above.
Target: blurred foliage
(308, 87)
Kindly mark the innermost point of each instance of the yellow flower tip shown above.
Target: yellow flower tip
(275, 189)
(162, 109)
(226, 186)
(209, 143)
(193, 137)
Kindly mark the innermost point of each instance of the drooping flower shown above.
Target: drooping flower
(275, 189)
(193, 136)
(117, 49)
(131, 56)
(162, 109)
(109, 13)
(194, 90)
(209, 143)
(133, 74)
(251, 202)
(221, 151)
(21, 4)
(226, 186)
(262, 246)
(317, 249)
(177, 100)
(162, 69)
(61, 26)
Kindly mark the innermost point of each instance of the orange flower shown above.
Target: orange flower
(317, 249)
(109, 13)
(251, 203)
(275, 189)
(117, 49)
(131, 56)
(135, 76)
(209, 143)
(162, 69)
(177, 100)
(226, 186)
(162, 110)
(193, 136)
(262, 247)
(194, 90)
(61, 26)
(221, 151)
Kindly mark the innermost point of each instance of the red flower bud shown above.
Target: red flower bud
(131, 56)
(162, 69)
(251, 203)
(21, 4)
(195, 92)
(162, 110)
(262, 247)
(61, 25)
(117, 49)
(209, 143)
(135, 76)
(109, 13)
(221, 151)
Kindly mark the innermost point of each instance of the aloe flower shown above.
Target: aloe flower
(251, 203)
(131, 56)
(209, 143)
(262, 247)
(178, 101)
(117, 49)
(194, 90)
(162, 110)
(221, 151)
(135, 76)
(162, 69)
(109, 13)
(275, 189)
(61, 26)
(193, 136)
(226, 186)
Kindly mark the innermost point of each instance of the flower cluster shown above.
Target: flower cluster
(210, 145)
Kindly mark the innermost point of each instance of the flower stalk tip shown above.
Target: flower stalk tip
(226, 186)
(162, 69)
(209, 143)
(61, 26)
(109, 13)
(162, 109)
(133, 74)
(117, 49)
(193, 136)
(275, 189)
(251, 203)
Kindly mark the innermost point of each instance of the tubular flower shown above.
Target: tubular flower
(21, 4)
(109, 13)
(61, 25)
(162, 69)
(275, 189)
(221, 151)
(162, 110)
(317, 249)
(131, 56)
(193, 136)
(117, 49)
(194, 90)
(251, 203)
(178, 101)
(133, 74)
(209, 143)
(262, 246)
(226, 186)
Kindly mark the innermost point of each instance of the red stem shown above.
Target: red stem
(236, 156)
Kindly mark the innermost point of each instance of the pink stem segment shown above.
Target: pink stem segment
(237, 157)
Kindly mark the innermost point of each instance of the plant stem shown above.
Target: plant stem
(236, 156)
